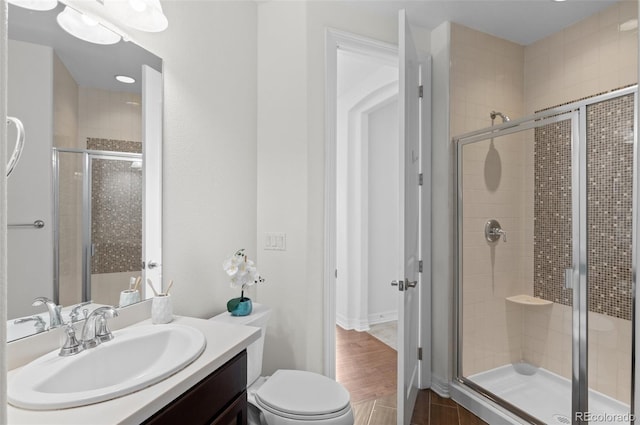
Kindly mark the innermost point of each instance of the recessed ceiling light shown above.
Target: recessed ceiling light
(629, 25)
(559, 1)
(125, 79)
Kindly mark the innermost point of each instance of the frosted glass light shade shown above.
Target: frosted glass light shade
(143, 15)
(85, 28)
(35, 4)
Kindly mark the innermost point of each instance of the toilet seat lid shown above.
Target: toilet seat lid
(298, 393)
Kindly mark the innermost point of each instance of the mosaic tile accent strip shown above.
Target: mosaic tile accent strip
(552, 212)
(609, 208)
(114, 145)
(116, 214)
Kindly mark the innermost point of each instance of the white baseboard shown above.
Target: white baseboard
(440, 387)
(351, 323)
(387, 316)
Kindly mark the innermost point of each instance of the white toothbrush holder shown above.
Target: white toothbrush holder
(129, 297)
(161, 309)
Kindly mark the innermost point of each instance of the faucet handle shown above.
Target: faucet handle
(71, 345)
(75, 311)
(102, 330)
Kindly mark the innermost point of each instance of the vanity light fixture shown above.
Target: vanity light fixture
(125, 79)
(40, 5)
(85, 27)
(143, 15)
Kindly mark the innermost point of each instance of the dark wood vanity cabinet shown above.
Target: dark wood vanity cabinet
(219, 399)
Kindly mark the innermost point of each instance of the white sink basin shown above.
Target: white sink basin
(136, 358)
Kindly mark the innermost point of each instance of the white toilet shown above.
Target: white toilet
(288, 397)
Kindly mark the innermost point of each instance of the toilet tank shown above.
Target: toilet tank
(259, 317)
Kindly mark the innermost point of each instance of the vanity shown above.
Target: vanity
(211, 389)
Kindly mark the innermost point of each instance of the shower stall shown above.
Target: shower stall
(98, 222)
(546, 247)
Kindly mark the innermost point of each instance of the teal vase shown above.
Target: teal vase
(240, 306)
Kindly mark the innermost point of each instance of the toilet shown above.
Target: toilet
(288, 397)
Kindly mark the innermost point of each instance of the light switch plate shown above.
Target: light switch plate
(275, 241)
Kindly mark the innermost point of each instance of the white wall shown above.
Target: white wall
(384, 219)
(364, 85)
(291, 165)
(209, 70)
(30, 254)
(442, 212)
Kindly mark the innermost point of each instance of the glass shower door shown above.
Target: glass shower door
(114, 238)
(610, 138)
(517, 265)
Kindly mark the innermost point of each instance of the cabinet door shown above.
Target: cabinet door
(236, 414)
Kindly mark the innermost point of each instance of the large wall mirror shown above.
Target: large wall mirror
(90, 170)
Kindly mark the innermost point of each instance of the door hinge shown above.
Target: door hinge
(420, 179)
(336, 273)
(419, 353)
(420, 91)
(420, 266)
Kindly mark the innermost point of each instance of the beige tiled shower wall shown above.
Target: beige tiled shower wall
(108, 114)
(589, 57)
(487, 75)
(65, 129)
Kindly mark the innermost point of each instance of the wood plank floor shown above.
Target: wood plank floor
(368, 369)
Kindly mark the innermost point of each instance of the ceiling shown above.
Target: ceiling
(520, 21)
(91, 65)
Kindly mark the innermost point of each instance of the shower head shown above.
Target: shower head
(494, 114)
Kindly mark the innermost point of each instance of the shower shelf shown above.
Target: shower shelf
(528, 300)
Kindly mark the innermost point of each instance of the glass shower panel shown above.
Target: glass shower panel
(610, 160)
(515, 308)
(116, 225)
(69, 189)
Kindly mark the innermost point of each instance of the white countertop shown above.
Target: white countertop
(224, 341)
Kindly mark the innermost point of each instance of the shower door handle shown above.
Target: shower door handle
(568, 278)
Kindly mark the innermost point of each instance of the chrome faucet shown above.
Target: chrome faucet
(55, 318)
(39, 324)
(95, 328)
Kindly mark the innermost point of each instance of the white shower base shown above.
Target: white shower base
(547, 396)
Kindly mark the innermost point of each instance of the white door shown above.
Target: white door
(408, 294)
(152, 160)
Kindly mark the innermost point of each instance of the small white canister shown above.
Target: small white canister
(129, 297)
(161, 309)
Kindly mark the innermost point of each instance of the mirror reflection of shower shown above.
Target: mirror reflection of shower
(492, 162)
(98, 221)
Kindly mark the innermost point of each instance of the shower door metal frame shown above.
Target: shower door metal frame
(87, 156)
(575, 111)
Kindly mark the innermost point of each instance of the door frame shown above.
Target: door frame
(334, 40)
